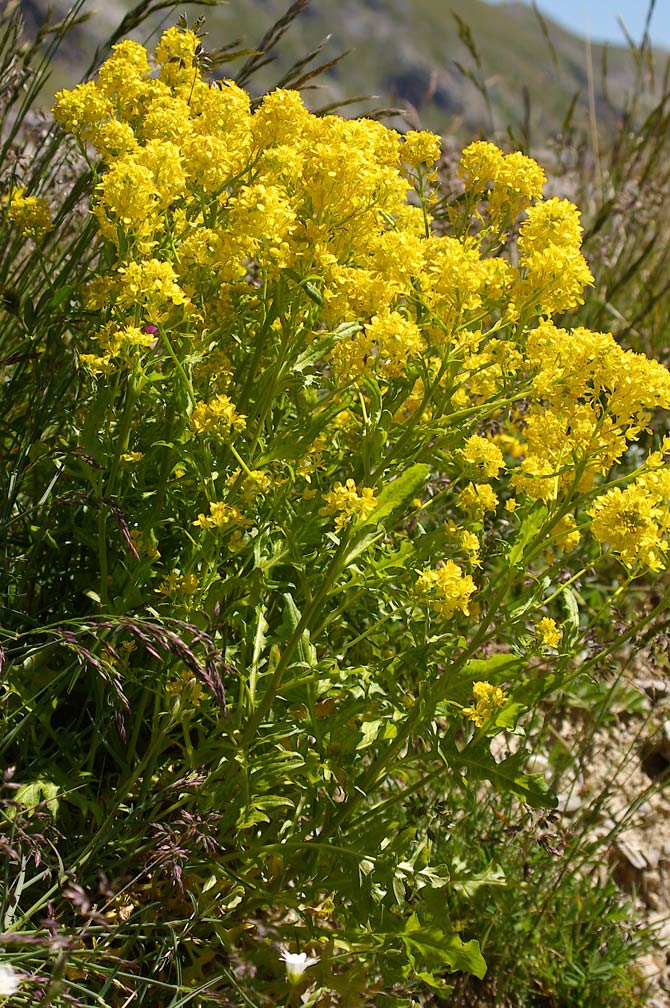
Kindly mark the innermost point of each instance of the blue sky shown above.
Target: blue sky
(599, 18)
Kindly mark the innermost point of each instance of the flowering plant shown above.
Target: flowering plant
(332, 482)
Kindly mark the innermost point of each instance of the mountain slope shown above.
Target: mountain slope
(405, 52)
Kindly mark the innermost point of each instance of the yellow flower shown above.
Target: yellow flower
(484, 456)
(346, 502)
(447, 589)
(518, 182)
(123, 78)
(555, 222)
(476, 498)
(223, 516)
(470, 543)
(127, 197)
(175, 583)
(30, 214)
(176, 53)
(481, 163)
(170, 584)
(420, 147)
(218, 417)
(97, 365)
(163, 160)
(83, 110)
(488, 700)
(114, 139)
(565, 533)
(556, 273)
(634, 523)
(152, 284)
(548, 632)
(252, 484)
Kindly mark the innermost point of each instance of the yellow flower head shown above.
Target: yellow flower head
(218, 417)
(548, 632)
(476, 498)
(177, 53)
(420, 147)
(447, 589)
(633, 523)
(480, 165)
(82, 110)
(30, 214)
(345, 501)
(483, 456)
(222, 516)
(489, 699)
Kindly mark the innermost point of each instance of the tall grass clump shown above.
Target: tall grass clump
(623, 194)
(302, 501)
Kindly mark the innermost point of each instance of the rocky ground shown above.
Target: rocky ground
(617, 796)
(622, 791)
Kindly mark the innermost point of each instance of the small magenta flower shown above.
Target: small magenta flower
(296, 963)
(9, 980)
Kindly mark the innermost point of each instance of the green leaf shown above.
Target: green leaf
(38, 792)
(530, 526)
(437, 983)
(506, 776)
(394, 496)
(369, 732)
(61, 295)
(400, 492)
(292, 616)
(571, 608)
(321, 347)
(431, 948)
(256, 813)
(495, 669)
(467, 885)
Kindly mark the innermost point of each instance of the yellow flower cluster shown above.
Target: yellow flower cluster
(635, 523)
(218, 417)
(483, 456)
(386, 345)
(477, 498)
(513, 181)
(345, 501)
(592, 398)
(196, 187)
(488, 700)
(30, 214)
(175, 583)
(222, 516)
(447, 589)
(240, 242)
(250, 485)
(554, 271)
(548, 632)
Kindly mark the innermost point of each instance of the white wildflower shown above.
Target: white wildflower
(9, 980)
(296, 964)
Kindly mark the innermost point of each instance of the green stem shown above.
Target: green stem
(121, 445)
(304, 623)
(185, 380)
